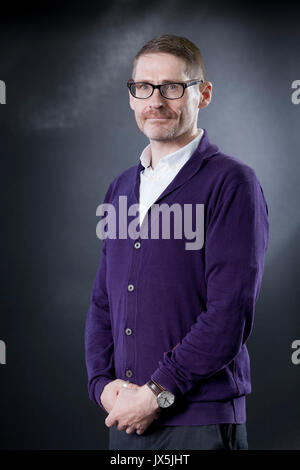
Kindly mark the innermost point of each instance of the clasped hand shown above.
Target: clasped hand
(131, 408)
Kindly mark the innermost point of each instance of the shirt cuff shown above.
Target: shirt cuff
(100, 384)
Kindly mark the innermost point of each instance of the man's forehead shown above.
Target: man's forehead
(160, 66)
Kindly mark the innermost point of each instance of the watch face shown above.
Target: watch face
(165, 399)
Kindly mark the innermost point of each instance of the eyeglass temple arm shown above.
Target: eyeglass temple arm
(193, 83)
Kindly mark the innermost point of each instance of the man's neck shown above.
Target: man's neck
(161, 148)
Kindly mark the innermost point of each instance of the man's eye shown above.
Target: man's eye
(142, 86)
(172, 86)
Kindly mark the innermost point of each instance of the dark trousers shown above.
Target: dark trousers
(206, 437)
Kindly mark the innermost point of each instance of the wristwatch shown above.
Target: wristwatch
(164, 397)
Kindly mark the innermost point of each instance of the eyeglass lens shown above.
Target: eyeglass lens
(144, 90)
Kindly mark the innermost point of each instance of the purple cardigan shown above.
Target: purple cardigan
(183, 316)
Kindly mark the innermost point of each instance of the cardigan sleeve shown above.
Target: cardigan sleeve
(99, 347)
(236, 239)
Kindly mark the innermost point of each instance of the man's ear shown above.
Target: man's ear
(206, 93)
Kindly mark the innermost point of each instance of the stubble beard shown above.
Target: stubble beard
(161, 136)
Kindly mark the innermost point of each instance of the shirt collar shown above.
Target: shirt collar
(174, 158)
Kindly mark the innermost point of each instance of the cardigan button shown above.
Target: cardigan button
(128, 331)
(130, 287)
(137, 245)
(129, 373)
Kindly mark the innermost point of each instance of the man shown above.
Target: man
(168, 321)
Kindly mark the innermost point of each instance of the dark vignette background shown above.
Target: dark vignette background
(67, 131)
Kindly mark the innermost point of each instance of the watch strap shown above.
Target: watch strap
(155, 387)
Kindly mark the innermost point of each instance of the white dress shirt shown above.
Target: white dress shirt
(154, 181)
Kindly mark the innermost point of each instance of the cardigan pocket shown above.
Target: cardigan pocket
(220, 386)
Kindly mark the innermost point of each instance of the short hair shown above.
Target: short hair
(178, 46)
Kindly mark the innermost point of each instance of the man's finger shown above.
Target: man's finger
(129, 385)
(140, 431)
(110, 420)
(130, 430)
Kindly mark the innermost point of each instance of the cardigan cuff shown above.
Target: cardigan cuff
(164, 379)
(100, 384)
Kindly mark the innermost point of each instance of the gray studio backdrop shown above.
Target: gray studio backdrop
(66, 132)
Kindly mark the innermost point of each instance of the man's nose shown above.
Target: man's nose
(156, 99)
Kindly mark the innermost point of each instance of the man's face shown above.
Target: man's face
(157, 117)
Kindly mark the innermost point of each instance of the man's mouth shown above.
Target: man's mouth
(157, 119)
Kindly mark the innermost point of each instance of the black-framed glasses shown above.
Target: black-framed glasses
(171, 91)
